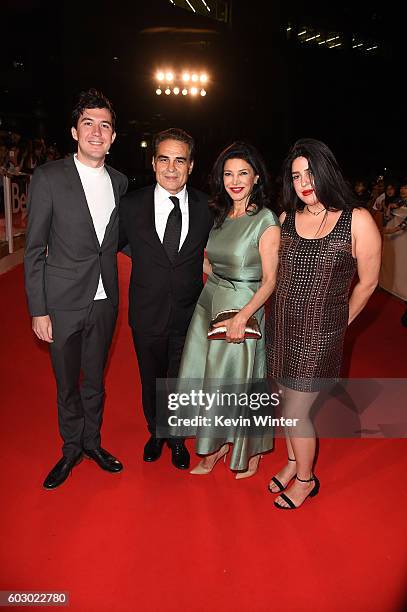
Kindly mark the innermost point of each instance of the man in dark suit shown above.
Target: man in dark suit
(71, 277)
(166, 226)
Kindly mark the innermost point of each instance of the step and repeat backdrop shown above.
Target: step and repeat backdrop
(393, 273)
(13, 212)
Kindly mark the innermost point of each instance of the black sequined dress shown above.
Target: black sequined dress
(309, 307)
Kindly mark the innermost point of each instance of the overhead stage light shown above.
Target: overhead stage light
(186, 82)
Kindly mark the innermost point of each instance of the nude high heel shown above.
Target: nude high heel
(252, 468)
(201, 469)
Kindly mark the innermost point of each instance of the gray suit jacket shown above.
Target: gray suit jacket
(63, 258)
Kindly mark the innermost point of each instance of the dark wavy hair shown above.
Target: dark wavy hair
(330, 186)
(92, 98)
(220, 202)
(175, 134)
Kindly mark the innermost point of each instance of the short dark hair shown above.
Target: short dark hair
(174, 134)
(220, 202)
(330, 186)
(92, 98)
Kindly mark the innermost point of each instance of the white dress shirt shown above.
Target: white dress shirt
(99, 194)
(162, 208)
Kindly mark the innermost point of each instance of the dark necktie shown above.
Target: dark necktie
(172, 232)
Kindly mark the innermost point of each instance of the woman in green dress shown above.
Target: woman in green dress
(241, 264)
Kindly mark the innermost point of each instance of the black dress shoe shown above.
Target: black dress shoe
(153, 448)
(180, 454)
(61, 471)
(104, 459)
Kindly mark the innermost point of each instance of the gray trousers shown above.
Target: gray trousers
(82, 339)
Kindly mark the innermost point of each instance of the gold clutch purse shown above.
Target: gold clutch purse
(252, 330)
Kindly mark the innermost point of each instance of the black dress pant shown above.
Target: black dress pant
(158, 357)
(79, 353)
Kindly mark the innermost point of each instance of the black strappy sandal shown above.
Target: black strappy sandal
(280, 485)
(291, 505)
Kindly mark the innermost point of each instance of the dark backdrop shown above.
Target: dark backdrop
(263, 87)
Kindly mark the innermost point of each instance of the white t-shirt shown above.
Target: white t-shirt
(99, 194)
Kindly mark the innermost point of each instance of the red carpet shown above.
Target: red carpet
(154, 538)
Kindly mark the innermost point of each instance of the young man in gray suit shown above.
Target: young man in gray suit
(71, 277)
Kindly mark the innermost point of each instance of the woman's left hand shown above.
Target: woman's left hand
(235, 328)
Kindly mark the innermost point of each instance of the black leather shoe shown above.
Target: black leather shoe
(61, 471)
(180, 454)
(153, 448)
(104, 459)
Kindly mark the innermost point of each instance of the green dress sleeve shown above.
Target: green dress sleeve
(267, 219)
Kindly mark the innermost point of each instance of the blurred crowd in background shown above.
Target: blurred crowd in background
(381, 194)
(22, 155)
(382, 197)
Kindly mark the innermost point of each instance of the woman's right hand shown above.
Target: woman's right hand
(235, 328)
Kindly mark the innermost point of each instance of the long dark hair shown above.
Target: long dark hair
(330, 186)
(220, 201)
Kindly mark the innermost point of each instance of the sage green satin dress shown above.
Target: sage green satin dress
(233, 251)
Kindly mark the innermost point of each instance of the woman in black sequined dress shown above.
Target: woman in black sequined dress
(325, 239)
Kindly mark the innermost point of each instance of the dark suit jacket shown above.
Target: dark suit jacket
(162, 295)
(63, 258)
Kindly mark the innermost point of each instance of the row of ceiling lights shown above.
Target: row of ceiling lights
(185, 82)
(169, 76)
(192, 7)
(331, 41)
(193, 91)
